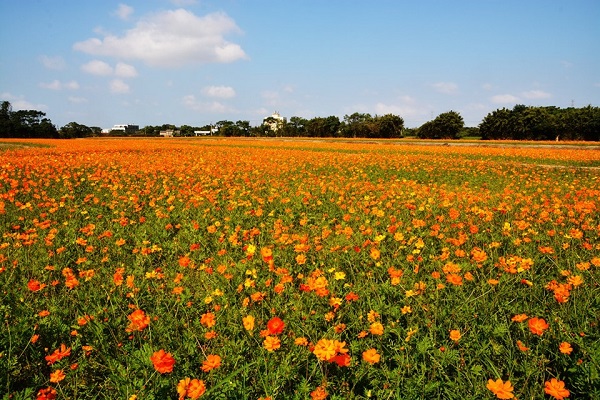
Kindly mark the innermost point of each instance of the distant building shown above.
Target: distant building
(169, 133)
(127, 128)
(274, 122)
(206, 133)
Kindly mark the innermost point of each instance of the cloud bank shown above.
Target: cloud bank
(171, 39)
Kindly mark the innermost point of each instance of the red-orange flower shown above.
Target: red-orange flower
(212, 361)
(138, 321)
(34, 285)
(48, 393)
(556, 389)
(537, 326)
(502, 390)
(162, 361)
(58, 354)
(275, 326)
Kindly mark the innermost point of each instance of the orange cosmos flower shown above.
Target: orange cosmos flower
(208, 319)
(454, 279)
(212, 361)
(455, 335)
(192, 388)
(502, 390)
(537, 326)
(371, 356)
(565, 348)
(271, 343)
(376, 328)
(326, 349)
(519, 318)
(57, 376)
(162, 361)
(556, 389)
(319, 393)
(118, 276)
(275, 326)
(138, 321)
(248, 322)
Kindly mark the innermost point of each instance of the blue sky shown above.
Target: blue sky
(195, 62)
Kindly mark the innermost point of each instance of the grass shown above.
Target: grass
(360, 270)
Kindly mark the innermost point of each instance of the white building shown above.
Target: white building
(274, 122)
(127, 128)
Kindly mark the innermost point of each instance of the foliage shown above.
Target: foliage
(25, 123)
(247, 269)
(542, 123)
(445, 126)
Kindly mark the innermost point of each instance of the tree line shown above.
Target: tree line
(520, 123)
(542, 123)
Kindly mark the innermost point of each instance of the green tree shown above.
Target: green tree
(390, 126)
(445, 126)
(74, 130)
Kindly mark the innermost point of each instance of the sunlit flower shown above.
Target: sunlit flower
(376, 328)
(371, 356)
(565, 348)
(248, 322)
(556, 389)
(212, 361)
(455, 335)
(271, 343)
(208, 319)
(57, 376)
(138, 321)
(502, 390)
(162, 361)
(537, 326)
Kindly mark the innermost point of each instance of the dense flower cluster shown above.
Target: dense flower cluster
(232, 268)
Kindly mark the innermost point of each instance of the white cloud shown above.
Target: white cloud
(97, 67)
(54, 85)
(446, 87)
(77, 100)
(183, 3)
(190, 102)
(19, 103)
(504, 99)
(57, 63)
(487, 86)
(536, 94)
(123, 70)
(124, 11)
(118, 86)
(170, 39)
(58, 85)
(222, 92)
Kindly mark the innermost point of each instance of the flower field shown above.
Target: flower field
(255, 269)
